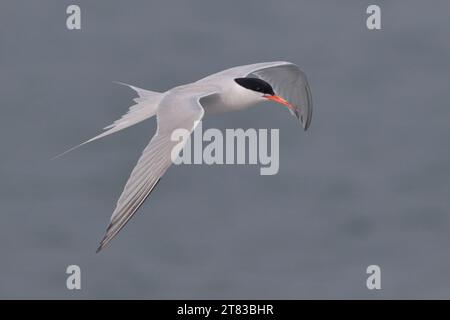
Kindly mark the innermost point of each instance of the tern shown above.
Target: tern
(182, 107)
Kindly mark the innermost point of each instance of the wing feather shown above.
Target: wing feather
(290, 83)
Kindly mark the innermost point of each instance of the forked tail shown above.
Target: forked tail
(146, 105)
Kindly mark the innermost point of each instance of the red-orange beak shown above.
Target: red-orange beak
(280, 100)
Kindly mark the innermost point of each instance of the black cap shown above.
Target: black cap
(255, 84)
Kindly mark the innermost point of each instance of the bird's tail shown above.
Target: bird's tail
(146, 105)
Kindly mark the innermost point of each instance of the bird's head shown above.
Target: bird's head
(263, 90)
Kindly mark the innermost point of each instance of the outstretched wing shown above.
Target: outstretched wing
(177, 111)
(287, 80)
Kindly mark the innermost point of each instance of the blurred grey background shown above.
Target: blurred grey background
(369, 183)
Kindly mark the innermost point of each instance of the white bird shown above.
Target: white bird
(183, 106)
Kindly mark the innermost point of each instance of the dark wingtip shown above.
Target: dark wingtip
(304, 124)
(305, 127)
(101, 245)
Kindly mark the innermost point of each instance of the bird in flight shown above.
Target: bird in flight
(183, 106)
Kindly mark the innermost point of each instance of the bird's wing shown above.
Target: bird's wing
(289, 82)
(286, 79)
(181, 110)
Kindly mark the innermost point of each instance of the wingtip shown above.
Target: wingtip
(102, 244)
(305, 126)
(105, 240)
(98, 249)
(304, 123)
